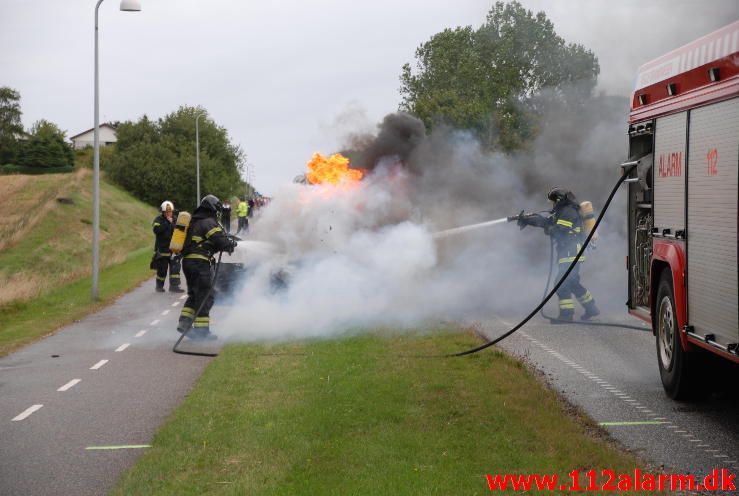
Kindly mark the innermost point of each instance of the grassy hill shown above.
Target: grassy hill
(46, 242)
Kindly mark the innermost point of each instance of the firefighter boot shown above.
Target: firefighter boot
(187, 316)
(175, 288)
(564, 317)
(184, 324)
(201, 330)
(590, 311)
(566, 311)
(587, 301)
(160, 286)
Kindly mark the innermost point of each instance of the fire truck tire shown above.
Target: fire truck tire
(677, 368)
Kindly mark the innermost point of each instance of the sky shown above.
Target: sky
(288, 78)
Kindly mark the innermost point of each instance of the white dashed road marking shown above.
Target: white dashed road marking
(98, 365)
(165, 312)
(175, 303)
(183, 297)
(154, 322)
(123, 347)
(624, 397)
(140, 333)
(69, 385)
(26, 413)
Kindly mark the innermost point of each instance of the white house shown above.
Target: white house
(107, 137)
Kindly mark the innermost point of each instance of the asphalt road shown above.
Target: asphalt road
(612, 375)
(108, 380)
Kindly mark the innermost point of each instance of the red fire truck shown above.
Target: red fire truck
(682, 206)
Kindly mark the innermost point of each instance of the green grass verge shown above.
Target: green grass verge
(349, 417)
(19, 169)
(26, 321)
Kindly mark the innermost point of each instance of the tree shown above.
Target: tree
(11, 127)
(46, 147)
(155, 160)
(485, 80)
(44, 128)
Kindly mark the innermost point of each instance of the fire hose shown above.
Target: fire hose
(627, 168)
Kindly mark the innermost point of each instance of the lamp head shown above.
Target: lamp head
(131, 5)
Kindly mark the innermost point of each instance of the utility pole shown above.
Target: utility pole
(197, 159)
(126, 6)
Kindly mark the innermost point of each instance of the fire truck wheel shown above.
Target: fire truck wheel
(675, 365)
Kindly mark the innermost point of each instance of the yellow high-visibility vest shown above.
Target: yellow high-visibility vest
(243, 209)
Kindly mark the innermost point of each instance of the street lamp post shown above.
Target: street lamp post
(197, 159)
(126, 6)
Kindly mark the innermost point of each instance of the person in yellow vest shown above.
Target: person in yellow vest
(243, 211)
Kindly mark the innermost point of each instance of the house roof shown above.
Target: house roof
(105, 124)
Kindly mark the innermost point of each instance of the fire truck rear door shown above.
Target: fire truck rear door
(713, 173)
(669, 174)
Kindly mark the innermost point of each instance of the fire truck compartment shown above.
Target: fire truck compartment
(712, 177)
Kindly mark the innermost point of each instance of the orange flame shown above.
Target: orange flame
(334, 170)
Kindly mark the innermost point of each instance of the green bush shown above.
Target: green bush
(47, 151)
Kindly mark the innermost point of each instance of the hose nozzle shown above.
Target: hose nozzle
(520, 216)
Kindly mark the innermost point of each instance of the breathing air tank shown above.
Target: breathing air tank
(588, 219)
(180, 232)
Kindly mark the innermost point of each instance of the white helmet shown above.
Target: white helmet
(167, 205)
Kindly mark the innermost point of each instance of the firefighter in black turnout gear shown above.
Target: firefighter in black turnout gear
(205, 238)
(163, 259)
(565, 225)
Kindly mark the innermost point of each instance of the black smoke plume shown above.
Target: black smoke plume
(399, 134)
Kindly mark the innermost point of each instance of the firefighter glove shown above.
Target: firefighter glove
(231, 245)
(522, 219)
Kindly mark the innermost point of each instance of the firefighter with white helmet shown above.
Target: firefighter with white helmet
(565, 225)
(163, 259)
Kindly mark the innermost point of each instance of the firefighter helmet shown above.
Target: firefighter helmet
(212, 203)
(166, 205)
(558, 194)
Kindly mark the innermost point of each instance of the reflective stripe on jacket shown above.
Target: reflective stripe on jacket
(204, 237)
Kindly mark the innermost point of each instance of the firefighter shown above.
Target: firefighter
(163, 259)
(205, 238)
(242, 211)
(565, 225)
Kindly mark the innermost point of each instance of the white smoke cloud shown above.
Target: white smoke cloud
(345, 265)
(366, 257)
